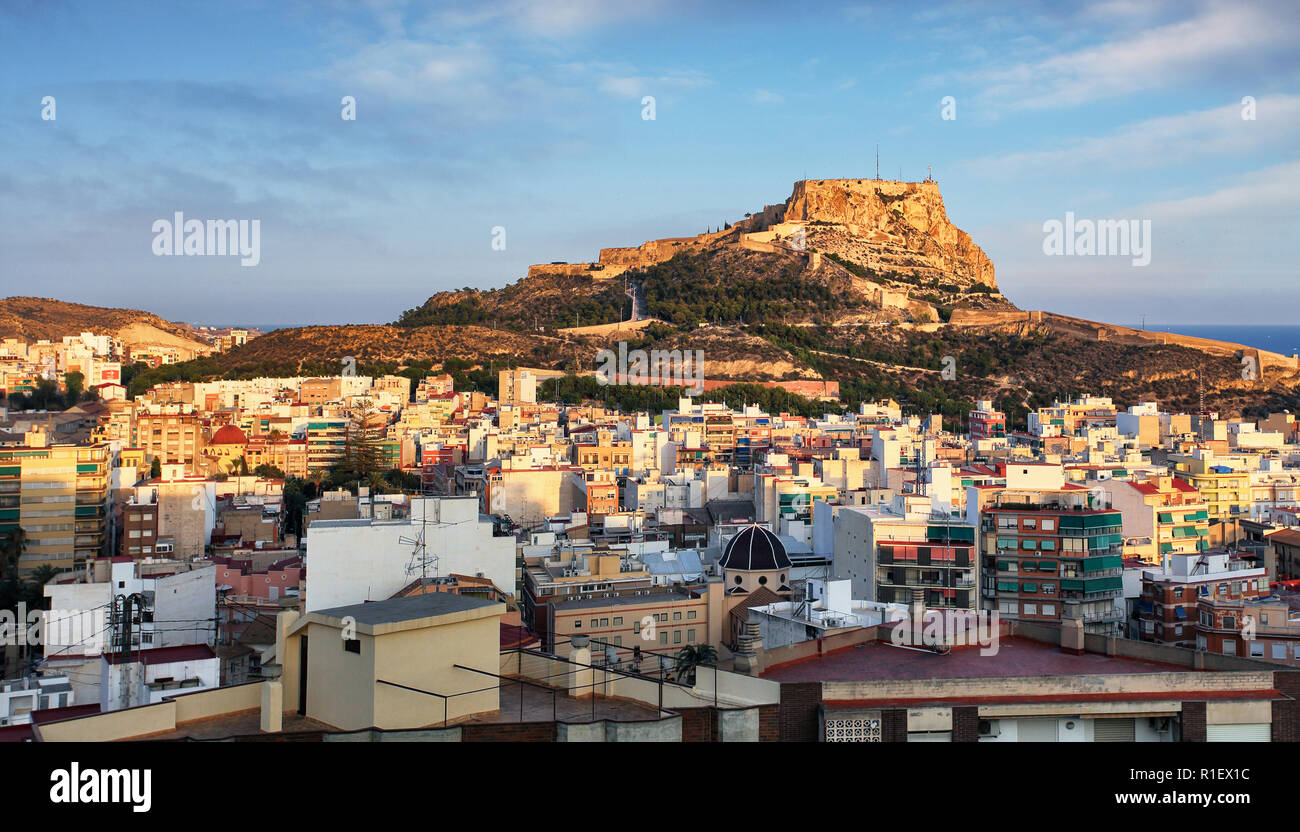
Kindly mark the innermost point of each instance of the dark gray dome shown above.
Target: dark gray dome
(753, 549)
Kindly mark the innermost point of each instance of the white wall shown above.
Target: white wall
(352, 561)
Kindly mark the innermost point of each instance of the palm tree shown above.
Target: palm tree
(691, 657)
(13, 550)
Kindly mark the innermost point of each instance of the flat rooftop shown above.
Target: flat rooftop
(881, 661)
(412, 608)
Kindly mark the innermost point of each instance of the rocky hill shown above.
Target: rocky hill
(863, 282)
(34, 319)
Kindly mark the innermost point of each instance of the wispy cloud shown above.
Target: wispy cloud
(1216, 35)
(1165, 140)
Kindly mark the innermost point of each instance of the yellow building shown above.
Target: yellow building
(58, 496)
(400, 663)
(1166, 511)
(1226, 492)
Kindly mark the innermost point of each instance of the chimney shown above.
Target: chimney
(749, 650)
(581, 675)
(1072, 636)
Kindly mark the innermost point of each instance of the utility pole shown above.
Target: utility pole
(124, 653)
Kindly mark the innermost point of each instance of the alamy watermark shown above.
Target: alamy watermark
(180, 236)
(661, 368)
(944, 629)
(37, 627)
(1101, 238)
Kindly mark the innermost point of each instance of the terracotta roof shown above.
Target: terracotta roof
(229, 435)
(164, 655)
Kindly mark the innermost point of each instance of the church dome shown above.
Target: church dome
(755, 549)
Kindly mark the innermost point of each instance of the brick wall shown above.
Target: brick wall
(1193, 722)
(965, 724)
(893, 725)
(769, 723)
(799, 717)
(698, 724)
(1286, 713)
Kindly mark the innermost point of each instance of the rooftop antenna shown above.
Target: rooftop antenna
(420, 557)
(877, 161)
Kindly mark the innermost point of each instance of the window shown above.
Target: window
(1031, 523)
(636, 626)
(663, 638)
(1007, 607)
(677, 616)
(690, 614)
(1279, 651)
(618, 641)
(352, 645)
(1229, 647)
(595, 622)
(1031, 609)
(1256, 650)
(690, 637)
(1048, 524)
(677, 636)
(618, 619)
(577, 623)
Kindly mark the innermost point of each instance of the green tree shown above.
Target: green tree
(155, 468)
(691, 657)
(14, 546)
(74, 383)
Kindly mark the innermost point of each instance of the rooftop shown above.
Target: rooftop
(412, 608)
(882, 661)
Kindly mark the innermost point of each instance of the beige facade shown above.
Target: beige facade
(392, 664)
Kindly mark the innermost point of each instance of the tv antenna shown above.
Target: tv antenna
(420, 558)
(877, 161)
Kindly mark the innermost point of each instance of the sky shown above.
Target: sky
(522, 123)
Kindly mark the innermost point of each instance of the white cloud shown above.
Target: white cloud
(1165, 140)
(1217, 35)
(768, 97)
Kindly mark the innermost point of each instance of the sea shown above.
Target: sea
(1281, 338)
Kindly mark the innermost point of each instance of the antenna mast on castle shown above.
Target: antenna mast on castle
(877, 161)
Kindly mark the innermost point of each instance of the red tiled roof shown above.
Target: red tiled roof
(164, 655)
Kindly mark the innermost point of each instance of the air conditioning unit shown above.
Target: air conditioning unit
(989, 728)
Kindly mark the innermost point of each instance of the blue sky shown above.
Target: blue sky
(528, 116)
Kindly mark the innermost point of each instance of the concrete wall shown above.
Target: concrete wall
(351, 562)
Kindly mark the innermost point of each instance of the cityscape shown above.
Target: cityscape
(881, 457)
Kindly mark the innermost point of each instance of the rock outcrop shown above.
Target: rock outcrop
(882, 225)
(889, 226)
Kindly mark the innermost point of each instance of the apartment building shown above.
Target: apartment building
(172, 438)
(1168, 607)
(1226, 492)
(326, 441)
(1262, 627)
(58, 496)
(987, 423)
(1049, 554)
(1166, 511)
(897, 552)
(659, 620)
